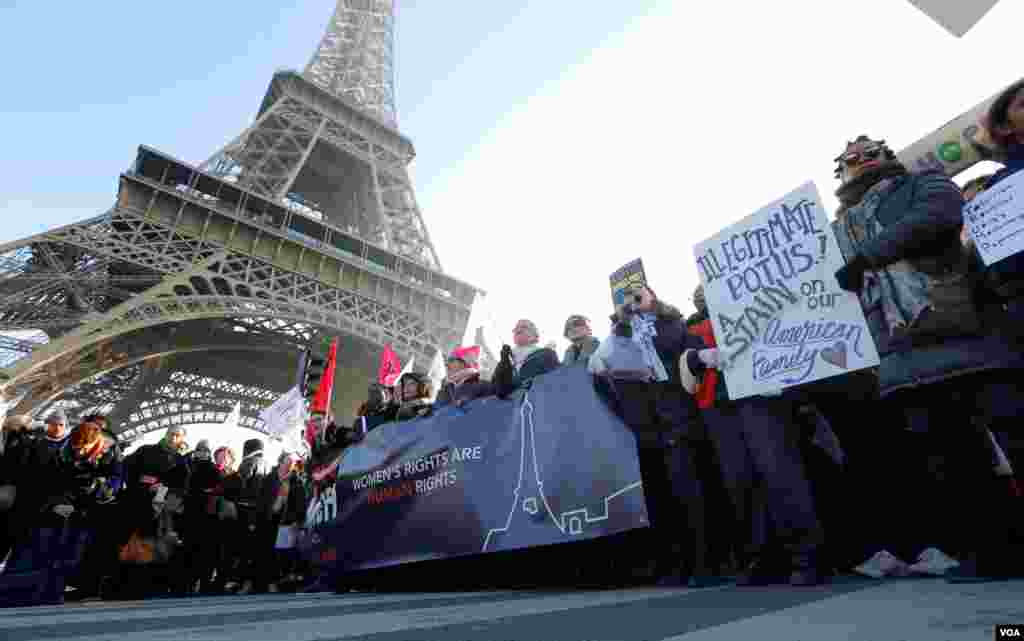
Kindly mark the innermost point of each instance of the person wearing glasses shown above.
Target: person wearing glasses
(900, 236)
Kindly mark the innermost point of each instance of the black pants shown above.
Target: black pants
(757, 440)
(668, 468)
(204, 547)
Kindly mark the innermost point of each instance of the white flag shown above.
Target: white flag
(285, 414)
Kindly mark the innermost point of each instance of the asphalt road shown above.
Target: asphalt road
(899, 610)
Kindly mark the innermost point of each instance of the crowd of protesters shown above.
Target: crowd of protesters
(166, 519)
(903, 469)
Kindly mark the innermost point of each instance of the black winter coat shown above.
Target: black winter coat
(506, 380)
(469, 390)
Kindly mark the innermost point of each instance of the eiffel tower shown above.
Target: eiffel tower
(200, 286)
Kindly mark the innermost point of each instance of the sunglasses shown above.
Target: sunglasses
(851, 158)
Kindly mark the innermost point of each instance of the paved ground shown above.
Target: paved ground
(855, 610)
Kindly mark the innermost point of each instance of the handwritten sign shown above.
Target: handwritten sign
(626, 278)
(779, 316)
(995, 219)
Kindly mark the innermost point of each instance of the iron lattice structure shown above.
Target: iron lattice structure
(199, 287)
(356, 57)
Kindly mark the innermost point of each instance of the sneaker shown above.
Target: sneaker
(881, 565)
(933, 562)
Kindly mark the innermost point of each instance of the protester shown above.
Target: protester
(578, 332)
(254, 531)
(415, 397)
(462, 383)
(523, 362)
(379, 408)
(666, 421)
(899, 233)
(285, 504)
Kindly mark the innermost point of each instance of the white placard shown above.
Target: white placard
(995, 219)
(779, 316)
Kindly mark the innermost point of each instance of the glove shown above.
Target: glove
(851, 275)
(709, 357)
(64, 511)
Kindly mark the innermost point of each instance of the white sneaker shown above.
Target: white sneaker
(882, 564)
(933, 562)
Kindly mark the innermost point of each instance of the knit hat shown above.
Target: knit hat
(56, 416)
(252, 446)
(469, 356)
(574, 321)
(202, 450)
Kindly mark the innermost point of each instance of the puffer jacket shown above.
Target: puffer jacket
(921, 216)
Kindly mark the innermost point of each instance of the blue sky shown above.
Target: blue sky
(93, 80)
(556, 140)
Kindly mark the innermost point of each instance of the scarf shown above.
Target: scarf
(462, 376)
(853, 192)
(899, 290)
(521, 354)
(643, 336)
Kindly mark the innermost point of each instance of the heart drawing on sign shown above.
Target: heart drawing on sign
(836, 355)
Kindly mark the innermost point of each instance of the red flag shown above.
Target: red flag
(389, 366)
(321, 403)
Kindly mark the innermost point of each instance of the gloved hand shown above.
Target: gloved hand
(851, 275)
(64, 511)
(709, 357)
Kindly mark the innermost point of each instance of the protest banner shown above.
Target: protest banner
(995, 219)
(551, 466)
(625, 278)
(779, 316)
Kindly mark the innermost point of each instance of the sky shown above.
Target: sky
(555, 141)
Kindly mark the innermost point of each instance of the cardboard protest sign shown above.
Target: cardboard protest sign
(995, 219)
(625, 278)
(779, 316)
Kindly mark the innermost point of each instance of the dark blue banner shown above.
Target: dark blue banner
(551, 466)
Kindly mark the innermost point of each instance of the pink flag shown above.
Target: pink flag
(389, 366)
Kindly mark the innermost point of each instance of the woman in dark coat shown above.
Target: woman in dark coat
(666, 419)
(462, 384)
(900, 235)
